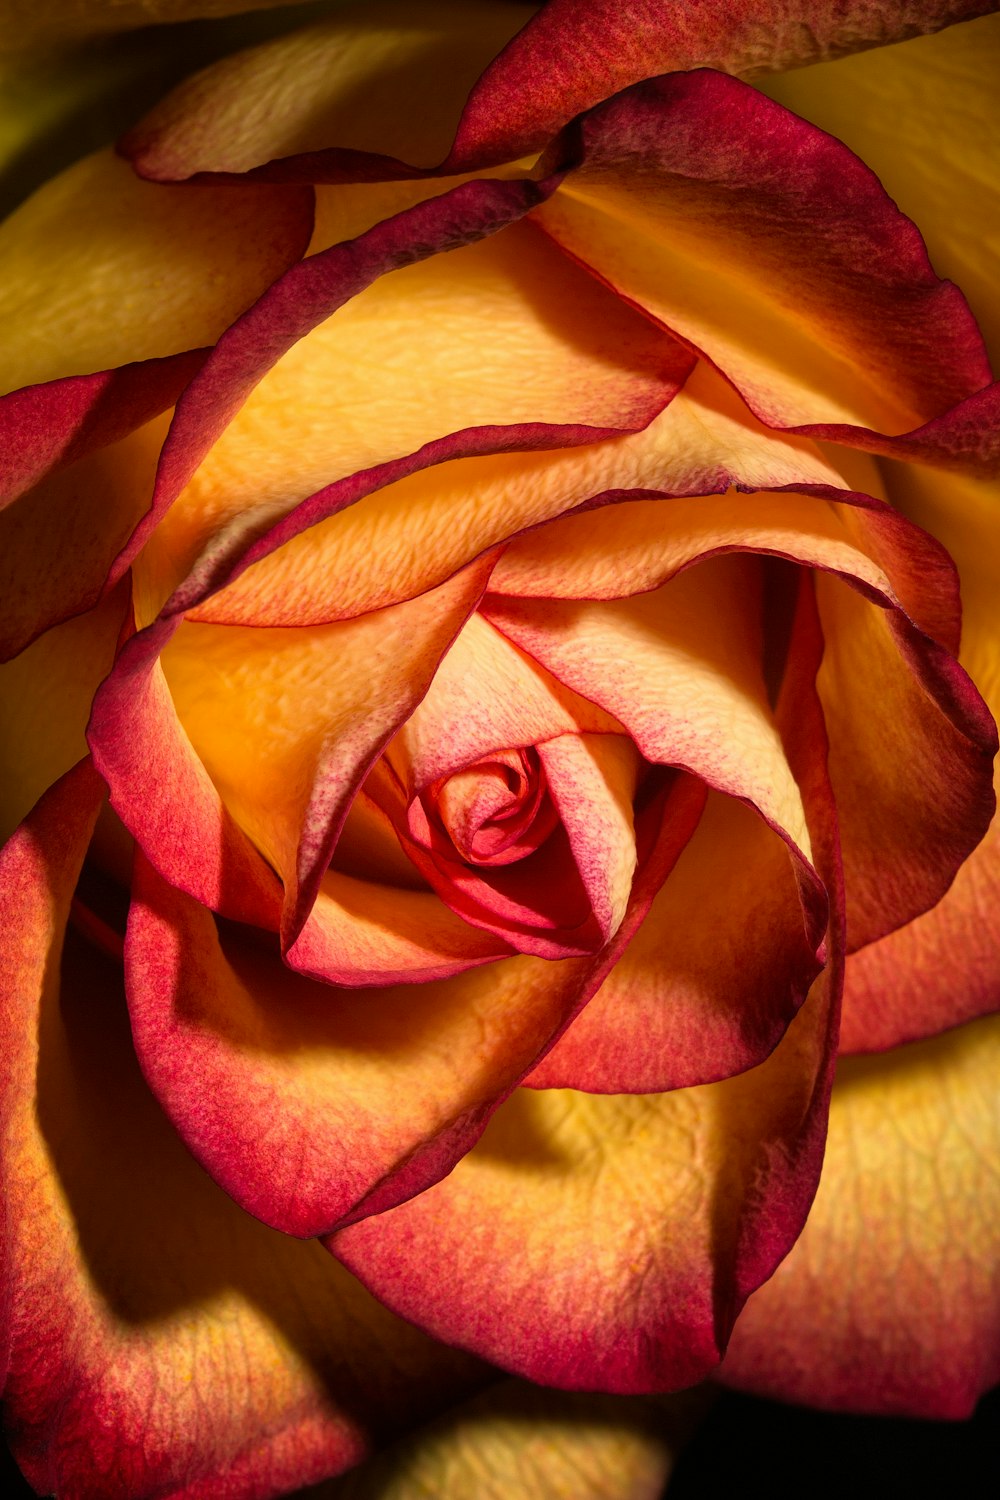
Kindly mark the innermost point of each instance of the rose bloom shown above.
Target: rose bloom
(490, 718)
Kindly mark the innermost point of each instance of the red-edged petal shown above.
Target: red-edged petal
(941, 969)
(680, 668)
(571, 55)
(380, 91)
(772, 249)
(716, 971)
(890, 1301)
(289, 310)
(78, 458)
(499, 346)
(936, 164)
(163, 793)
(288, 723)
(680, 1203)
(45, 699)
(314, 1107)
(157, 1340)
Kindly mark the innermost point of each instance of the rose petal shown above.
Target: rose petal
(908, 820)
(77, 469)
(938, 164)
(514, 1253)
(572, 55)
(163, 794)
(290, 309)
(486, 695)
(378, 77)
(289, 722)
(889, 1302)
(771, 249)
(941, 969)
(77, 262)
(516, 1439)
(312, 1107)
(363, 70)
(45, 698)
(680, 668)
(499, 345)
(138, 1295)
(715, 973)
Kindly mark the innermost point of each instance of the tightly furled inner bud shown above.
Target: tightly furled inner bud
(494, 812)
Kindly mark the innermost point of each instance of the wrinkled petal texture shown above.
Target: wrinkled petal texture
(400, 94)
(890, 1301)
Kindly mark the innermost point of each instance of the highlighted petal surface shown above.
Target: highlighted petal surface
(890, 1301)
(78, 259)
(772, 250)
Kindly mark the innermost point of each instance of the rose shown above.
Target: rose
(244, 1120)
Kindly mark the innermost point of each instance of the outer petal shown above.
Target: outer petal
(770, 248)
(941, 969)
(604, 1241)
(77, 470)
(518, 1442)
(45, 698)
(288, 311)
(77, 262)
(499, 345)
(938, 164)
(909, 819)
(377, 77)
(163, 794)
(890, 1300)
(138, 1294)
(567, 58)
(572, 54)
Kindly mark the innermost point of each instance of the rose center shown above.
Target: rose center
(495, 811)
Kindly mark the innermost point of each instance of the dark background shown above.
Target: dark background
(788, 1453)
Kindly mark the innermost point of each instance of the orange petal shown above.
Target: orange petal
(520, 1442)
(310, 1107)
(941, 969)
(772, 250)
(605, 1241)
(889, 1301)
(161, 1340)
(499, 345)
(719, 966)
(938, 165)
(79, 259)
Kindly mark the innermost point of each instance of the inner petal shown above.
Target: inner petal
(494, 812)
